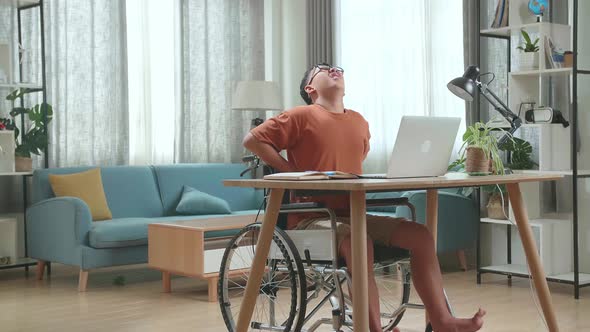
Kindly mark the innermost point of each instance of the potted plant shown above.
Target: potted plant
(480, 152)
(529, 57)
(520, 154)
(480, 155)
(34, 139)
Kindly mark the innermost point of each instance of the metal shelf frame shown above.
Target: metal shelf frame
(26, 262)
(489, 33)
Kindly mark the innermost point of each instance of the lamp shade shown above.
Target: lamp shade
(257, 95)
(464, 87)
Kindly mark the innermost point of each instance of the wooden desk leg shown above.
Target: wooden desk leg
(532, 256)
(360, 282)
(432, 212)
(212, 289)
(262, 248)
(166, 282)
(432, 219)
(41, 269)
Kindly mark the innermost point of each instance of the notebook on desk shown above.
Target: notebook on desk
(422, 148)
(310, 175)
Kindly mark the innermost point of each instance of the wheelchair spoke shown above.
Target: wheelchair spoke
(288, 289)
(277, 300)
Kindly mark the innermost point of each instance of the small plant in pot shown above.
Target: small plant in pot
(34, 139)
(480, 155)
(529, 57)
(480, 152)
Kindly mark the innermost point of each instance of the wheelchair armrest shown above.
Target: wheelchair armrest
(405, 201)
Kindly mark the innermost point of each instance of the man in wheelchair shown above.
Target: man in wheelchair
(325, 136)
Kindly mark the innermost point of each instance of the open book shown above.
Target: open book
(311, 175)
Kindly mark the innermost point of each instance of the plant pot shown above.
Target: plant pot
(476, 161)
(494, 206)
(528, 61)
(22, 164)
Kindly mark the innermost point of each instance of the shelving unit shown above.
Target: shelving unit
(19, 9)
(560, 218)
(541, 72)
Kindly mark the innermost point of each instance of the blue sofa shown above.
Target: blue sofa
(60, 229)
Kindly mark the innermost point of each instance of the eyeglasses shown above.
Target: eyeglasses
(325, 67)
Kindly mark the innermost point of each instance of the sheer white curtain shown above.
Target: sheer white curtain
(86, 82)
(398, 56)
(151, 58)
(222, 42)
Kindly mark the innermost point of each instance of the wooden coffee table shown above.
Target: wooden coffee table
(180, 248)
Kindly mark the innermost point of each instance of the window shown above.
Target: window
(151, 60)
(398, 57)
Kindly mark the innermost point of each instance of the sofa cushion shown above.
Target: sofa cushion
(127, 232)
(86, 186)
(206, 178)
(131, 191)
(195, 202)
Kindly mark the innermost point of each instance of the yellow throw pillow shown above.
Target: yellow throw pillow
(86, 186)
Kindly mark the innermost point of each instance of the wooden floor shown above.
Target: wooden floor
(55, 304)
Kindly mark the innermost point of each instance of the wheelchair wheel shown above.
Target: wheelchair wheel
(393, 281)
(280, 305)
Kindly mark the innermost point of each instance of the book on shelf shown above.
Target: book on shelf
(501, 17)
(550, 53)
(311, 175)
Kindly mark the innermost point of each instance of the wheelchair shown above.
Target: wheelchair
(303, 289)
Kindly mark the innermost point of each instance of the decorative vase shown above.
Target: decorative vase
(22, 164)
(494, 206)
(528, 61)
(476, 161)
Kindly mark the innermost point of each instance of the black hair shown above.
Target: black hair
(304, 95)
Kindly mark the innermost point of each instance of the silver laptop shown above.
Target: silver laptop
(422, 148)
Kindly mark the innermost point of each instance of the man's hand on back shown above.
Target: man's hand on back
(268, 154)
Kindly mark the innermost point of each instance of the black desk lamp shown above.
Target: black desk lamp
(464, 87)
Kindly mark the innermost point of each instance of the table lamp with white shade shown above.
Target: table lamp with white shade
(256, 96)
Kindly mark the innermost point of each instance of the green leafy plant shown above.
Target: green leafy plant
(479, 135)
(119, 281)
(35, 138)
(528, 45)
(457, 165)
(520, 153)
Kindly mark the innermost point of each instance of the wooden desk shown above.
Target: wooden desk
(357, 189)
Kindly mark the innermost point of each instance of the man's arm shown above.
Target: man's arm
(268, 154)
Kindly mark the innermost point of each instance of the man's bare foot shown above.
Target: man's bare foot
(463, 324)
